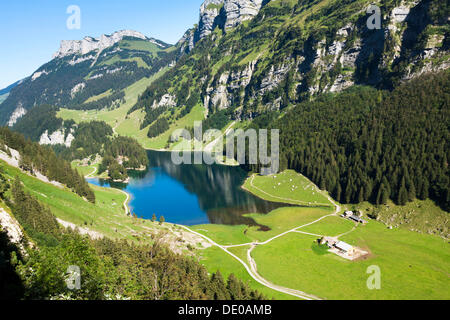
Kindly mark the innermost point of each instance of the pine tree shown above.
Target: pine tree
(234, 287)
(402, 194)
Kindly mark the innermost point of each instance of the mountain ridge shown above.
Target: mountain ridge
(88, 43)
(89, 74)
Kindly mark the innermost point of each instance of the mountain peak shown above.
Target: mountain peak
(224, 14)
(88, 44)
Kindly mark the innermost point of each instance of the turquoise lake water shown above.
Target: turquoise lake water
(191, 194)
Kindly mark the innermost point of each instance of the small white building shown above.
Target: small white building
(344, 247)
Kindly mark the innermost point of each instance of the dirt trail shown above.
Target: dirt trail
(252, 267)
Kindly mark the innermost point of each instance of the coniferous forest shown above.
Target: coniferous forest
(37, 158)
(111, 269)
(370, 145)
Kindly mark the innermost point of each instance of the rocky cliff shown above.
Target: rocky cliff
(87, 68)
(222, 14)
(291, 52)
(88, 44)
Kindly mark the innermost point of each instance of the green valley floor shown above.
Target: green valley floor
(289, 260)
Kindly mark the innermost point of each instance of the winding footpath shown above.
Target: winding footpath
(91, 175)
(251, 265)
(125, 203)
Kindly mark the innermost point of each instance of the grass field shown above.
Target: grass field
(129, 125)
(141, 46)
(99, 96)
(286, 187)
(215, 259)
(88, 171)
(197, 114)
(107, 216)
(413, 265)
(420, 216)
(111, 117)
(331, 226)
(279, 220)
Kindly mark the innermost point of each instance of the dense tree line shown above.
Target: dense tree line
(369, 145)
(110, 269)
(160, 126)
(152, 115)
(35, 157)
(217, 121)
(116, 170)
(37, 220)
(121, 154)
(127, 148)
(89, 139)
(111, 102)
(40, 119)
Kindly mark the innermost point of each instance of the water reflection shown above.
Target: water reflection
(192, 194)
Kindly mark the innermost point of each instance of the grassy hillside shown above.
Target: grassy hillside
(107, 216)
(413, 265)
(129, 124)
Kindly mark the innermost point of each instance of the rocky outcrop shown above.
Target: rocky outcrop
(222, 14)
(220, 94)
(88, 44)
(238, 11)
(209, 11)
(12, 157)
(274, 78)
(77, 88)
(38, 74)
(12, 228)
(167, 100)
(16, 115)
(57, 137)
(353, 55)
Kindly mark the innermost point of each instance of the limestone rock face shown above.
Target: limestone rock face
(12, 227)
(322, 66)
(77, 88)
(16, 115)
(222, 14)
(167, 100)
(209, 11)
(88, 44)
(57, 137)
(238, 11)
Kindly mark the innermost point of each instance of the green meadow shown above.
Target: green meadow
(287, 187)
(413, 265)
(215, 259)
(129, 124)
(107, 216)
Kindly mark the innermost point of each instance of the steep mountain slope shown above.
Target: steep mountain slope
(255, 60)
(294, 50)
(89, 74)
(4, 93)
(292, 53)
(369, 145)
(37, 247)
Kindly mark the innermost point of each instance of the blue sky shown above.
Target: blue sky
(31, 30)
